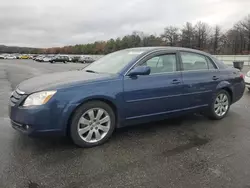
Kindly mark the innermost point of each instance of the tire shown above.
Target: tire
(248, 89)
(83, 113)
(212, 114)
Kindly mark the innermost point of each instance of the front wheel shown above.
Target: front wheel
(92, 124)
(220, 105)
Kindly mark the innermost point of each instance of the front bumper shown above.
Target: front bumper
(26, 129)
(51, 118)
(35, 120)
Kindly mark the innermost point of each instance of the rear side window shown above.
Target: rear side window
(194, 61)
(210, 64)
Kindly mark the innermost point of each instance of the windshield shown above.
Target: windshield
(114, 62)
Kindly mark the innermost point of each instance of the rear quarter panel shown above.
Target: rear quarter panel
(231, 79)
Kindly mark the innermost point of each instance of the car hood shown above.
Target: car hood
(60, 80)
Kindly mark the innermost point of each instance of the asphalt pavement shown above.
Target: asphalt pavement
(190, 151)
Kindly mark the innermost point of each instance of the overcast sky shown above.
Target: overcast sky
(47, 23)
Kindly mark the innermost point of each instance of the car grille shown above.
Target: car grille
(16, 96)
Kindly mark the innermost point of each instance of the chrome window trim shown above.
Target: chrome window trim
(160, 73)
(200, 70)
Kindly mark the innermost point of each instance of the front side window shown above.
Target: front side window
(161, 63)
(193, 61)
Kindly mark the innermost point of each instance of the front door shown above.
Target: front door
(156, 94)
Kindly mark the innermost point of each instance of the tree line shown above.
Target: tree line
(21, 50)
(202, 36)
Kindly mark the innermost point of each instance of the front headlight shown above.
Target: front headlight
(38, 98)
(248, 73)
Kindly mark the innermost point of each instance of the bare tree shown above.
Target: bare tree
(245, 23)
(187, 35)
(216, 39)
(202, 34)
(170, 35)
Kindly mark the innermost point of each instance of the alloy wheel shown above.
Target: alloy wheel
(94, 125)
(221, 105)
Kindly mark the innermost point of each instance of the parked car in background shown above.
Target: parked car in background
(126, 87)
(39, 58)
(24, 57)
(47, 58)
(60, 58)
(247, 80)
(86, 59)
(2, 56)
(75, 59)
(10, 57)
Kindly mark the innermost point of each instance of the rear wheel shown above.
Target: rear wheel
(220, 105)
(92, 124)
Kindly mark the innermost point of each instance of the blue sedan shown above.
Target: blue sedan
(126, 87)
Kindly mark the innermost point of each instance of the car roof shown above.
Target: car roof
(167, 48)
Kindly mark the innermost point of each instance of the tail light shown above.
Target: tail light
(242, 75)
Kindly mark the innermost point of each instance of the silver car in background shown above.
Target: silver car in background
(86, 59)
(10, 57)
(47, 58)
(247, 80)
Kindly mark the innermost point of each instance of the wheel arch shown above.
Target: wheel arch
(106, 100)
(225, 85)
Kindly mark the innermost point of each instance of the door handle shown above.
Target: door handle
(176, 81)
(215, 78)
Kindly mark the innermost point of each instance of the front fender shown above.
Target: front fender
(71, 107)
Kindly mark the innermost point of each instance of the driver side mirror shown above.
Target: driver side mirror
(141, 70)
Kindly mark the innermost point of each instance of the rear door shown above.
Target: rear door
(200, 79)
(158, 93)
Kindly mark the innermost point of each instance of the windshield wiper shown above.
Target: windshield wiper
(91, 71)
